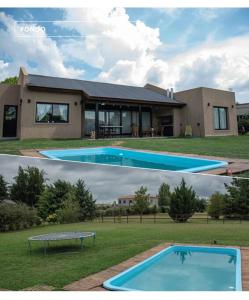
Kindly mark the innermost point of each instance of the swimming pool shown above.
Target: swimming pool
(136, 159)
(183, 268)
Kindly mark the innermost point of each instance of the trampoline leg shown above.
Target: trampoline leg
(29, 247)
(81, 243)
(45, 248)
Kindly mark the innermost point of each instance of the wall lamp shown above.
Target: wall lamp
(29, 101)
(208, 104)
(75, 103)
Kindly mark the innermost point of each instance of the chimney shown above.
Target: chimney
(168, 93)
(171, 93)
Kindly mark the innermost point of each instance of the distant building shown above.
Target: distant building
(129, 199)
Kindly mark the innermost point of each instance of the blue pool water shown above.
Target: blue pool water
(183, 268)
(135, 159)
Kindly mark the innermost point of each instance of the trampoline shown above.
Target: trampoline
(60, 236)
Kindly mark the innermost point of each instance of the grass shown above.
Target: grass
(114, 243)
(229, 146)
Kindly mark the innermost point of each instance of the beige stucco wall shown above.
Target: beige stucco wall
(31, 129)
(9, 95)
(197, 110)
(192, 113)
(224, 99)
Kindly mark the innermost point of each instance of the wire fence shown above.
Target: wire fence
(159, 218)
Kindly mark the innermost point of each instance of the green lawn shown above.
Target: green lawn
(114, 243)
(234, 146)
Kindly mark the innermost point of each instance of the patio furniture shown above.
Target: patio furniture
(109, 130)
(60, 236)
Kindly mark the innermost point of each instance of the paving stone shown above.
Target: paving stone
(40, 288)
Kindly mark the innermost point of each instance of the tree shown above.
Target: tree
(200, 205)
(236, 200)
(3, 188)
(86, 201)
(28, 186)
(141, 200)
(164, 197)
(216, 205)
(182, 203)
(53, 197)
(11, 80)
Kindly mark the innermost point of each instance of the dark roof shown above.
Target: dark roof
(100, 90)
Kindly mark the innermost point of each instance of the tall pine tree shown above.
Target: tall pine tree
(3, 189)
(86, 201)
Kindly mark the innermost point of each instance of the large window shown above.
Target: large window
(220, 118)
(52, 113)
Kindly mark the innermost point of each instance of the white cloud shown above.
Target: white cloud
(126, 52)
(24, 47)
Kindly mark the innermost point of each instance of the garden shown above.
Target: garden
(32, 205)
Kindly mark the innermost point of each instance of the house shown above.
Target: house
(129, 199)
(52, 107)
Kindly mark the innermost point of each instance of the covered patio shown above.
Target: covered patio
(107, 119)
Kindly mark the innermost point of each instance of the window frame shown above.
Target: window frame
(219, 119)
(52, 121)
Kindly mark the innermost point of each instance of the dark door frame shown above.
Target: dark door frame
(5, 128)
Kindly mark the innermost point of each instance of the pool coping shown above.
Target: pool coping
(235, 165)
(95, 281)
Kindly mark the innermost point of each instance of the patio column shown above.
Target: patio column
(96, 119)
(140, 132)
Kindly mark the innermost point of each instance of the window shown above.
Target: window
(220, 118)
(52, 113)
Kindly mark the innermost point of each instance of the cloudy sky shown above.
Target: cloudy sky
(179, 48)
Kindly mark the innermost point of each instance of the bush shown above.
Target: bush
(17, 216)
(70, 211)
(182, 203)
(216, 205)
(3, 189)
(164, 197)
(236, 200)
(200, 205)
(53, 196)
(28, 186)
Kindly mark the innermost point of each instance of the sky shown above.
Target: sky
(168, 47)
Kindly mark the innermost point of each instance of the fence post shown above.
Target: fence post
(140, 218)
(102, 218)
(223, 220)
(207, 220)
(114, 217)
(154, 218)
(127, 218)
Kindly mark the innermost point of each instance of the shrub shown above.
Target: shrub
(28, 186)
(70, 211)
(141, 200)
(85, 200)
(216, 205)
(164, 197)
(53, 197)
(51, 219)
(236, 200)
(200, 205)
(182, 203)
(17, 216)
(3, 188)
